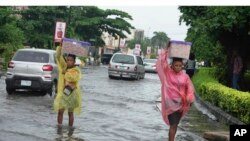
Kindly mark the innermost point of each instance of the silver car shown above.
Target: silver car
(126, 66)
(150, 65)
(32, 69)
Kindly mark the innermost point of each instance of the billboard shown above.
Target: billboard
(137, 49)
(148, 50)
(122, 43)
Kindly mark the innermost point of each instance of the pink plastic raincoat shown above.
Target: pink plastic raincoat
(177, 91)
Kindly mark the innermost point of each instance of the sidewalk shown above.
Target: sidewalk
(222, 117)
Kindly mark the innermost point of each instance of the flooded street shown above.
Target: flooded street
(113, 110)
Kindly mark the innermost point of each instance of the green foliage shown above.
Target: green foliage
(9, 33)
(11, 36)
(160, 39)
(152, 56)
(217, 30)
(38, 24)
(230, 100)
(85, 23)
(131, 43)
(144, 44)
(203, 75)
(84, 59)
(9, 50)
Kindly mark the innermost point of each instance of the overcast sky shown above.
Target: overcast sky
(155, 18)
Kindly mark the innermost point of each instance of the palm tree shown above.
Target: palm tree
(159, 39)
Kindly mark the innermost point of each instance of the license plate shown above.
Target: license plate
(123, 67)
(25, 83)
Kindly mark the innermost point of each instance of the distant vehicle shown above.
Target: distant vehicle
(79, 63)
(126, 66)
(150, 65)
(105, 59)
(33, 69)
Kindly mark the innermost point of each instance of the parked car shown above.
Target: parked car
(150, 65)
(126, 66)
(105, 59)
(32, 69)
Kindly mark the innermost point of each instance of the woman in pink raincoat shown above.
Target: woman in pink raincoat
(177, 91)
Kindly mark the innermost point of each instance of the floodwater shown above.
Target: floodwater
(113, 110)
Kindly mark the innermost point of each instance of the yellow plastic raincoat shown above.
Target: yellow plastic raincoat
(73, 102)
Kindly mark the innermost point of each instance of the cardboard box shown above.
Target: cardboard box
(179, 49)
(78, 48)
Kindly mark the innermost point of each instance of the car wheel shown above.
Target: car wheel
(53, 90)
(10, 90)
(137, 77)
(111, 77)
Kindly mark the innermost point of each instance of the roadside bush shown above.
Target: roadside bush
(9, 50)
(152, 56)
(234, 102)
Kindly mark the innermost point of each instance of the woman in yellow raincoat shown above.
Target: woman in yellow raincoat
(68, 91)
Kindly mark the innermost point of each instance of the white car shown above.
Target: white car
(33, 69)
(126, 66)
(149, 65)
(79, 62)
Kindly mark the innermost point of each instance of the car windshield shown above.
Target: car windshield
(125, 59)
(150, 60)
(31, 56)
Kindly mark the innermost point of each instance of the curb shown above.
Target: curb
(216, 136)
(221, 116)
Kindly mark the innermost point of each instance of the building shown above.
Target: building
(111, 44)
(139, 35)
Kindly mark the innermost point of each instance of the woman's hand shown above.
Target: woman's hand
(189, 102)
(72, 85)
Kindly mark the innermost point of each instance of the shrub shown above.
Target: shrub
(234, 102)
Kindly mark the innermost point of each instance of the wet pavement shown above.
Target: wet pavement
(113, 110)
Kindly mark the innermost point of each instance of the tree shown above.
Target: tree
(212, 27)
(11, 36)
(159, 39)
(8, 31)
(144, 44)
(83, 23)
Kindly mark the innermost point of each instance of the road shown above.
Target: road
(113, 110)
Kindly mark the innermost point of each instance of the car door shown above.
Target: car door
(140, 65)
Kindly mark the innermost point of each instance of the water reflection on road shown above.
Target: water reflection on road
(113, 110)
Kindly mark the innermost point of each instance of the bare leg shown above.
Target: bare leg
(60, 116)
(71, 118)
(172, 132)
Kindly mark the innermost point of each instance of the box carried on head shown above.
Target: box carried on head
(179, 49)
(78, 48)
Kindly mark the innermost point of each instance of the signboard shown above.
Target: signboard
(122, 43)
(59, 31)
(78, 48)
(179, 49)
(138, 46)
(148, 50)
(137, 49)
